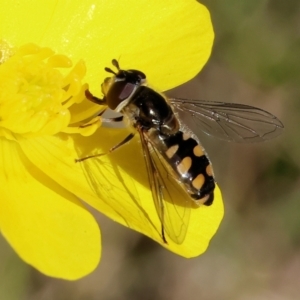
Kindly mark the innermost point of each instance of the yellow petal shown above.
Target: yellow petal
(169, 40)
(46, 225)
(120, 179)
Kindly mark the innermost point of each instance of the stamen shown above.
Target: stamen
(35, 95)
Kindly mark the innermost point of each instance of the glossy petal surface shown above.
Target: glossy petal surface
(169, 40)
(120, 180)
(46, 225)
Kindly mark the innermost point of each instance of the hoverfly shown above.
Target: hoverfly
(176, 162)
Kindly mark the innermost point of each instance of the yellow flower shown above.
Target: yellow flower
(41, 105)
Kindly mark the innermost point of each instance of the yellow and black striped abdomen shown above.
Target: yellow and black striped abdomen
(191, 165)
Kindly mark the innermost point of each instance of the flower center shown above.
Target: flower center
(36, 92)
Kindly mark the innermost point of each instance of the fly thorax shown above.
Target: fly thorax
(131, 113)
(154, 110)
(170, 125)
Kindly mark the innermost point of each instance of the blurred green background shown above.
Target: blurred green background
(255, 254)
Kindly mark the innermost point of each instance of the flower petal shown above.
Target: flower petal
(46, 225)
(120, 180)
(169, 40)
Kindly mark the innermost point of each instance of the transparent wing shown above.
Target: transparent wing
(172, 203)
(117, 179)
(228, 121)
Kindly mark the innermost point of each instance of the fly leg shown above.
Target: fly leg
(99, 101)
(125, 141)
(94, 99)
(97, 119)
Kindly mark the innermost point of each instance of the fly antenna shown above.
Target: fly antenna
(115, 64)
(110, 71)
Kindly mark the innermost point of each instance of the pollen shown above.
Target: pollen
(37, 90)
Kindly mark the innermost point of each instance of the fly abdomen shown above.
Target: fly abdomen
(191, 165)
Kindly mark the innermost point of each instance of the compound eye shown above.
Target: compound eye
(120, 91)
